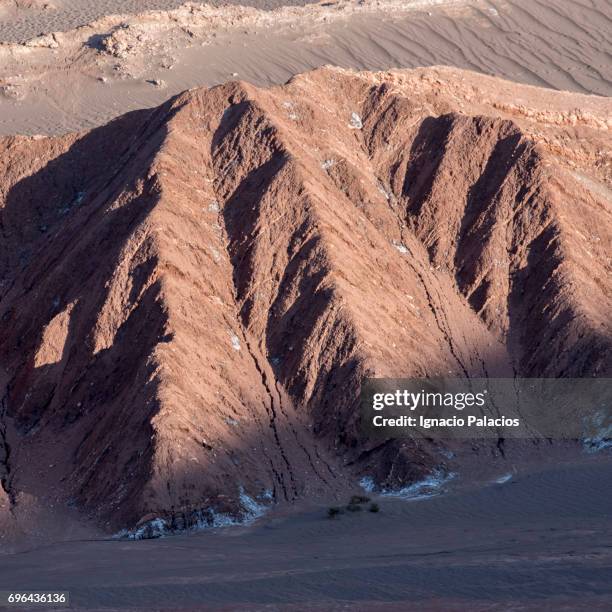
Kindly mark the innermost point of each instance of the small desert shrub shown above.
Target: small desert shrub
(353, 507)
(359, 499)
(333, 512)
(374, 507)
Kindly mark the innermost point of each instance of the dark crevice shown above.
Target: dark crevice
(6, 473)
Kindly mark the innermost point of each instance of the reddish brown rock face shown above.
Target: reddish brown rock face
(190, 296)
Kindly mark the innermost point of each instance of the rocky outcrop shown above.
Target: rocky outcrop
(192, 295)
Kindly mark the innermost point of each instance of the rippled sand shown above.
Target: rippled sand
(23, 19)
(553, 43)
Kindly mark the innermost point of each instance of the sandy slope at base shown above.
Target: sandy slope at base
(543, 540)
(555, 44)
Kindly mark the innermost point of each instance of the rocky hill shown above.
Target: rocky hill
(190, 296)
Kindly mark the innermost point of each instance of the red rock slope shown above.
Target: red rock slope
(190, 296)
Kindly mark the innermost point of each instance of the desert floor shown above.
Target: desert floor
(541, 541)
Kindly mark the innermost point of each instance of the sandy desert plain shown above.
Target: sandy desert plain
(217, 219)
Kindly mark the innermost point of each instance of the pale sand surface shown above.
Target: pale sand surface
(542, 541)
(83, 78)
(23, 19)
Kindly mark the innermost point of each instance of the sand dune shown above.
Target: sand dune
(116, 64)
(24, 19)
